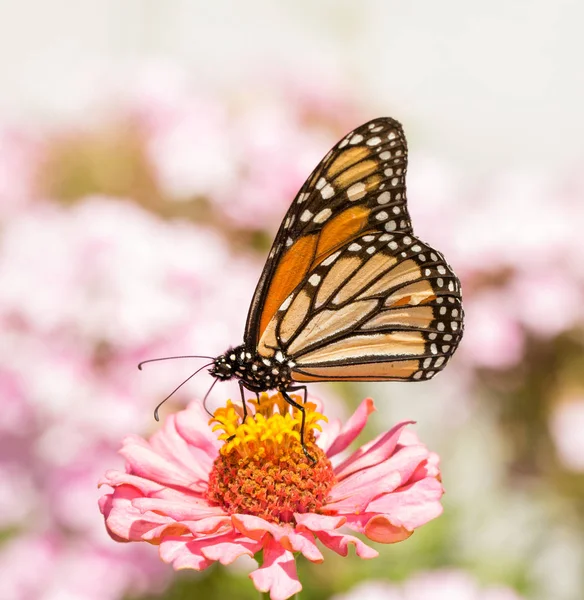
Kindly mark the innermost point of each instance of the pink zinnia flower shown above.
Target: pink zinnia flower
(203, 497)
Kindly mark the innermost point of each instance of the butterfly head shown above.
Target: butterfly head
(255, 372)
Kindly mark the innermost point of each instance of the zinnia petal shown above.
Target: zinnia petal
(278, 573)
(352, 427)
(339, 542)
(412, 506)
(229, 547)
(126, 522)
(372, 453)
(356, 491)
(146, 462)
(183, 552)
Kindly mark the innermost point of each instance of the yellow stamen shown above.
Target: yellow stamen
(271, 428)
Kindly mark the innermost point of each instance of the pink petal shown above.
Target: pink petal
(116, 478)
(372, 453)
(126, 522)
(255, 527)
(352, 427)
(303, 541)
(429, 468)
(316, 522)
(189, 508)
(411, 506)
(165, 530)
(147, 463)
(105, 506)
(210, 526)
(192, 424)
(354, 493)
(339, 542)
(330, 432)
(183, 553)
(278, 573)
(171, 445)
(381, 529)
(285, 535)
(229, 547)
(378, 528)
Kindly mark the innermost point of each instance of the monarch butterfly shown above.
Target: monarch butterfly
(348, 293)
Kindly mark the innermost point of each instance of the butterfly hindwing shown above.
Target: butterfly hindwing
(358, 187)
(385, 306)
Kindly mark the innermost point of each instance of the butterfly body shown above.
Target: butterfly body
(256, 373)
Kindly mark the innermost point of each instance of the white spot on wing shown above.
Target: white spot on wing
(314, 279)
(384, 198)
(327, 191)
(356, 191)
(323, 215)
(306, 216)
(287, 302)
(331, 259)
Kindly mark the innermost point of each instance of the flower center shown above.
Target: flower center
(261, 469)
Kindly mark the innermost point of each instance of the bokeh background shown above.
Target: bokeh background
(148, 151)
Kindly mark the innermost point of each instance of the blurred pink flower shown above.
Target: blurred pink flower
(567, 430)
(202, 501)
(52, 567)
(247, 155)
(86, 292)
(434, 585)
(20, 157)
(547, 302)
(493, 338)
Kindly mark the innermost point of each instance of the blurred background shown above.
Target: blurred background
(148, 151)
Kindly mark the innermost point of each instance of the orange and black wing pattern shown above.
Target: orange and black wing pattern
(385, 306)
(357, 189)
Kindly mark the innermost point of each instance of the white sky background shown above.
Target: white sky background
(484, 85)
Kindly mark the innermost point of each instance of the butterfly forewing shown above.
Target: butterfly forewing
(385, 306)
(358, 187)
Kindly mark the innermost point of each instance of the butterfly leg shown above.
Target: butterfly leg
(241, 386)
(298, 388)
(300, 407)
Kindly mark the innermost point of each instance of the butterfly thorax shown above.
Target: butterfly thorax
(257, 373)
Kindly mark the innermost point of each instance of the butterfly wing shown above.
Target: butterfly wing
(358, 187)
(384, 306)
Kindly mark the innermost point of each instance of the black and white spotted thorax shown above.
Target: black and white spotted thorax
(257, 373)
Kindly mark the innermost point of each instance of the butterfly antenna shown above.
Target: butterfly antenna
(171, 358)
(205, 399)
(178, 388)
